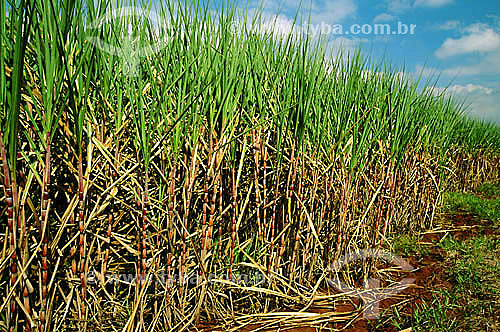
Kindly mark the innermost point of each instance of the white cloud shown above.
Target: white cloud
(424, 71)
(476, 28)
(331, 12)
(384, 17)
(480, 38)
(487, 65)
(480, 101)
(462, 71)
(280, 25)
(432, 3)
(456, 71)
(343, 46)
(469, 88)
(449, 25)
(484, 106)
(399, 6)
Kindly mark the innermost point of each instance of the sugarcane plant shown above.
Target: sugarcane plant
(213, 173)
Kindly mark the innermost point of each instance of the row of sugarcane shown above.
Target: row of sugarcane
(234, 155)
(207, 223)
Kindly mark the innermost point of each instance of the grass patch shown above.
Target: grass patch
(434, 316)
(473, 265)
(409, 245)
(469, 203)
(472, 303)
(489, 190)
(428, 316)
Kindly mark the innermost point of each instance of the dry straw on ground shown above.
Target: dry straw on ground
(230, 156)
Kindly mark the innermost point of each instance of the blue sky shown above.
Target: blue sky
(459, 40)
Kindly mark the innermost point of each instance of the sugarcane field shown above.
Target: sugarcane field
(189, 166)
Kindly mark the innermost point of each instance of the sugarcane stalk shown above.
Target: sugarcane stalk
(233, 223)
(388, 213)
(112, 209)
(256, 180)
(288, 213)
(81, 225)
(44, 240)
(204, 219)
(27, 288)
(191, 176)
(24, 283)
(171, 208)
(264, 198)
(208, 176)
(144, 228)
(309, 234)
(296, 259)
(212, 213)
(273, 225)
(380, 208)
(221, 220)
(10, 200)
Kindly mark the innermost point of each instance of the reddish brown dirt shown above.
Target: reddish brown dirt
(430, 276)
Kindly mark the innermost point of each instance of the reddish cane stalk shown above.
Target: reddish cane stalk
(25, 285)
(144, 228)
(388, 213)
(256, 179)
(221, 220)
(204, 218)
(111, 215)
(264, 154)
(189, 191)
(170, 222)
(342, 215)
(205, 200)
(44, 231)
(288, 213)
(81, 224)
(11, 224)
(212, 214)
(233, 225)
(329, 216)
(273, 225)
(27, 289)
(313, 201)
(297, 232)
(73, 249)
(138, 226)
(380, 209)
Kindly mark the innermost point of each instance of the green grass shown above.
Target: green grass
(473, 267)
(489, 209)
(408, 245)
(470, 305)
(489, 190)
(471, 263)
(475, 275)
